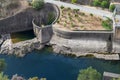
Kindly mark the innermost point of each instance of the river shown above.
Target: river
(47, 64)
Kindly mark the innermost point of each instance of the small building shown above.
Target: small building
(110, 76)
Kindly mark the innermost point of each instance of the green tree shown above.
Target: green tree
(96, 3)
(3, 77)
(2, 65)
(115, 79)
(73, 1)
(89, 74)
(105, 4)
(37, 4)
(112, 7)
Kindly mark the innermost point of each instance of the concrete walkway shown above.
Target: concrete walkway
(94, 11)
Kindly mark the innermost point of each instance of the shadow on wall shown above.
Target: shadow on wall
(23, 21)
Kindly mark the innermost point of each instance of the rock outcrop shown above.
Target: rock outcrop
(20, 48)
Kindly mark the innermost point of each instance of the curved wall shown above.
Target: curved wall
(44, 33)
(23, 20)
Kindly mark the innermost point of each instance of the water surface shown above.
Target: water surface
(55, 67)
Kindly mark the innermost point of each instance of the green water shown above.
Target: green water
(22, 36)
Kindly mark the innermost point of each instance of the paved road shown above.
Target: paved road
(94, 11)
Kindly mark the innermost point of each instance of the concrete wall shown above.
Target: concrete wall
(22, 21)
(88, 41)
(103, 35)
(44, 33)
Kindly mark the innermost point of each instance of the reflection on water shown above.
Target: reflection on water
(22, 36)
(55, 67)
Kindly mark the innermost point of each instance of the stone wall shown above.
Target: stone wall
(45, 32)
(103, 35)
(87, 41)
(22, 21)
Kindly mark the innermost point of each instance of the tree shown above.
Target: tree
(37, 4)
(89, 74)
(112, 7)
(105, 4)
(2, 65)
(73, 1)
(3, 77)
(115, 79)
(96, 3)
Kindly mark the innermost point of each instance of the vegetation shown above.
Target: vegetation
(107, 24)
(96, 3)
(62, 7)
(2, 65)
(89, 74)
(112, 7)
(37, 4)
(36, 78)
(115, 79)
(74, 19)
(3, 77)
(73, 1)
(51, 18)
(105, 4)
(101, 3)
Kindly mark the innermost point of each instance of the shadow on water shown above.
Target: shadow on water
(22, 36)
(45, 63)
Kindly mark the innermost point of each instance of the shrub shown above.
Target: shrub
(89, 74)
(73, 1)
(105, 4)
(62, 7)
(2, 65)
(82, 13)
(112, 7)
(91, 14)
(68, 8)
(51, 17)
(76, 15)
(107, 24)
(37, 4)
(3, 77)
(96, 3)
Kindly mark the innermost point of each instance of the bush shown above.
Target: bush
(89, 74)
(37, 4)
(91, 14)
(2, 65)
(105, 4)
(51, 18)
(107, 24)
(73, 1)
(62, 7)
(3, 77)
(96, 3)
(112, 7)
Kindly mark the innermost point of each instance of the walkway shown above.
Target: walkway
(97, 12)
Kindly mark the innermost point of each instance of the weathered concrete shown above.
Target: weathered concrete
(45, 32)
(82, 47)
(110, 76)
(23, 20)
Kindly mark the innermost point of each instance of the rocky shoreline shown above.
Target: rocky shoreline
(21, 49)
(72, 47)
